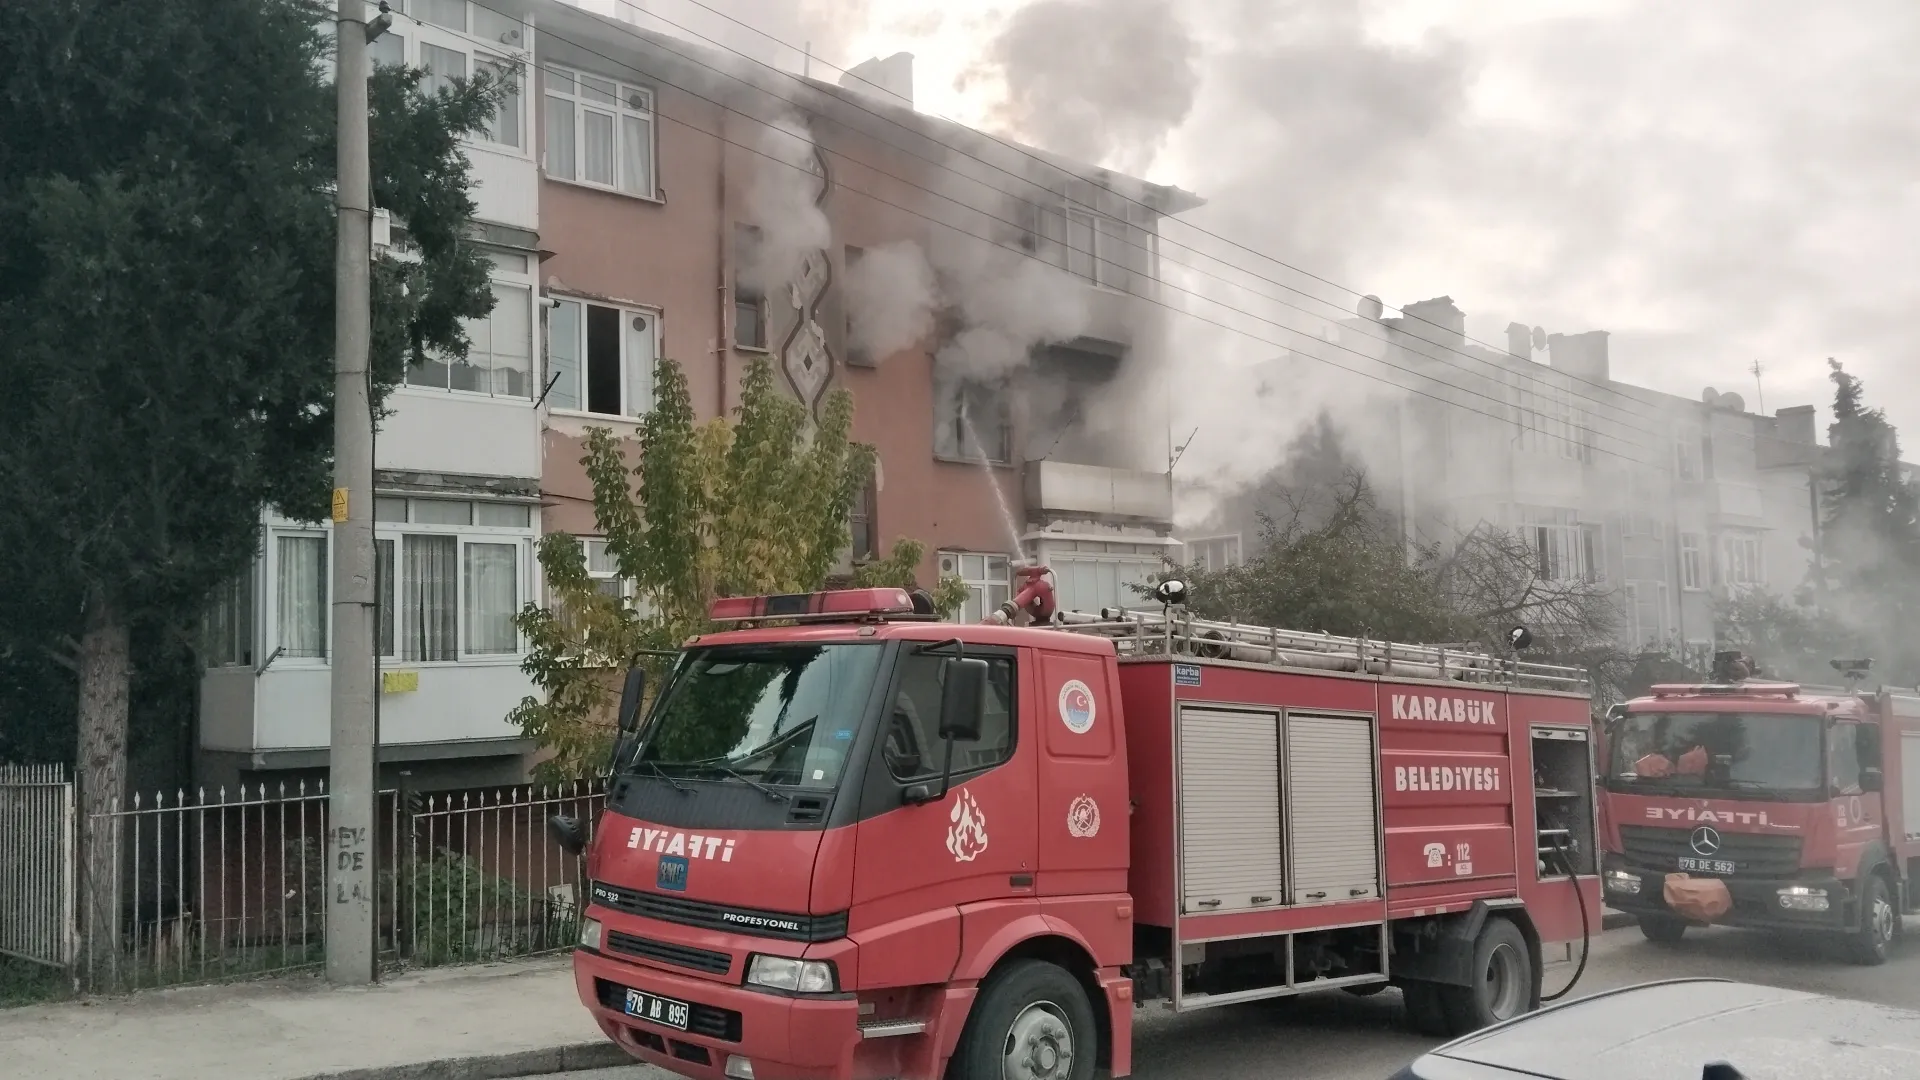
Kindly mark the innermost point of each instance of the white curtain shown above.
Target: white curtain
(491, 595)
(302, 600)
(430, 609)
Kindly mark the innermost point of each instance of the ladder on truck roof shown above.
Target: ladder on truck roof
(1145, 633)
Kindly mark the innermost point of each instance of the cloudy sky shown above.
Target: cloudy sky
(1714, 182)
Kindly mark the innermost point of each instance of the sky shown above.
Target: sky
(1715, 183)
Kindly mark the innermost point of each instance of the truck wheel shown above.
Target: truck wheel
(1424, 1012)
(1879, 923)
(1662, 929)
(1500, 985)
(1032, 1021)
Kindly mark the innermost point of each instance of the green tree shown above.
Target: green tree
(1867, 580)
(167, 306)
(755, 504)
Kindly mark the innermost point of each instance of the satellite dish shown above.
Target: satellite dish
(1709, 395)
(1732, 401)
(1539, 337)
(1369, 307)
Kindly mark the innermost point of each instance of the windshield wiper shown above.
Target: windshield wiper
(662, 774)
(770, 793)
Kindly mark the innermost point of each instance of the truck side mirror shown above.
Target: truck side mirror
(567, 833)
(962, 697)
(1872, 780)
(631, 695)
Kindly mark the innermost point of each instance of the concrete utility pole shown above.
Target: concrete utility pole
(350, 888)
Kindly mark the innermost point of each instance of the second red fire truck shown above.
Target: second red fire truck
(851, 841)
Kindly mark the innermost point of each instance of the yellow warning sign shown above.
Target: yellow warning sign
(339, 504)
(399, 682)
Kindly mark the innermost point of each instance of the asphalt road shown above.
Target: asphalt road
(1334, 1036)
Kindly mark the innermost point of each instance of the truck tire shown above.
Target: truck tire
(1424, 1011)
(1500, 984)
(1662, 929)
(1872, 944)
(1032, 1020)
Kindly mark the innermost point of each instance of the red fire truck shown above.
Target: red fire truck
(1765, 804)
(866, 843)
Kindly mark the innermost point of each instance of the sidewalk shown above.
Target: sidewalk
(474, 1023)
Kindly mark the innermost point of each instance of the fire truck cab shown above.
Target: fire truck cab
(1750, 802)
(851, 841)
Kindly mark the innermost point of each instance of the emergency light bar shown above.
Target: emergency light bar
(1746, 689)
(830, 606)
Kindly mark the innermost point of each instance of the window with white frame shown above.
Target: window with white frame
(989, 580)
(445, 38)
(1211, 553)
(600, 358)
(499, 360)
(972, 419)
(750, 311)
(1089, 574)
(1646, 604)
(1740, 560)
(599, 132)
(300, 595)
(1092, 233)
(1551, 424)
(453, 574)
(1692, 562)
(227, 636)
(863, 538)
(1687, 442)
(1565, 548)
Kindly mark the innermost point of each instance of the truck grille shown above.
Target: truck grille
(709, 1020)
(1759, 854)
(686, 956)
(738, 920)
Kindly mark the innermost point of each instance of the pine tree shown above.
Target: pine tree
(1868, 574)
(166, 303)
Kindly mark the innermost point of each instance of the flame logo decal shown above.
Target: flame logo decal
(967, 836)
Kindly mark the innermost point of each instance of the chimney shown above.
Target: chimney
(890, 79)
(1795, 425)
(1520, 340)
(1436, 320)
(1583, 356)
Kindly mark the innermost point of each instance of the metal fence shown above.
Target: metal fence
(204, 886)
(37, 919)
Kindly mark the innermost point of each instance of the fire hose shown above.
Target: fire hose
(1565, 858)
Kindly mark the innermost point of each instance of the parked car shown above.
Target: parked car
(1687, 1029)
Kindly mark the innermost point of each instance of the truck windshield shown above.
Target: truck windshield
(764, 714)
(1731, 752)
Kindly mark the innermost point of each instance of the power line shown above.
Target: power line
(1501, 402)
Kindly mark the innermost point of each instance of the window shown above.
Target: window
(988, 578)
(1686, 454)
(858, 355)
(1843, 759)
(913, 747)
(1646, 603)
(1214, 552)
(1087, 580)
(499, 360)
(228, 634)
(972, 420)
(1691, 556)
(1740, 562)
(601, 359)
(1093, 233)
(301, 599)
(504, 128)
(426, 43)
(603, 571)
(1550, 424)
(450, 577)
(862, 536)
(599, 132)
(451, 14)
(749, 303)
(1564, 548)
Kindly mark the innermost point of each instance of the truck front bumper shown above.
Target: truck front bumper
(731, 1031)
(1820, 902)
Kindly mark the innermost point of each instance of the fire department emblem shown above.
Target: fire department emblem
(967, 836)
(1076, 706)
(1083, 818)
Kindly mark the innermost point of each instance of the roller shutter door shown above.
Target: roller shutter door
(1230, 858)
(1333, 832)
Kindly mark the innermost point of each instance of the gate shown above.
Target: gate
(37, 864)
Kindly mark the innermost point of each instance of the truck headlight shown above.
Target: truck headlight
(1622, 882)
(1802, 898)
(590, 934)
(796, 976)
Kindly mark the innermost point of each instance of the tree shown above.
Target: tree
(1789, 639)
(1867, 579)
(166, 299)
(755, 505)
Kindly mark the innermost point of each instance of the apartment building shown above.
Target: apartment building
(672, 180)
(456, 501)
(1672, 501)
